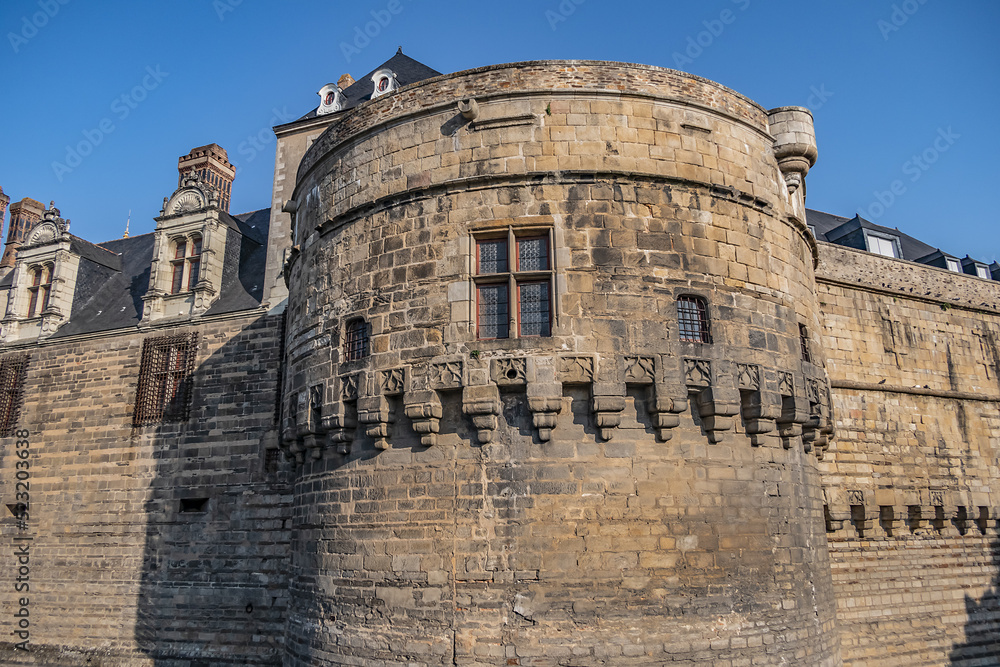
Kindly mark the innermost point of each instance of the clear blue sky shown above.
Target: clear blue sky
(904, 92)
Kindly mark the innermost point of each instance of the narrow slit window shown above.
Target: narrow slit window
(804, 342)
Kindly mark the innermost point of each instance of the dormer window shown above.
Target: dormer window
(982, 272)
(882, 244)
(39, 289)
(186, 264)
(331, 99)
(953, 265)
(383, 81)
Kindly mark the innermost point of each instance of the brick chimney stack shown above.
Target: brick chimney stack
(4, 200)
(23, 215)
(212, 164)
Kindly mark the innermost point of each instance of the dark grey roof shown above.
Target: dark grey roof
(108, 298)
(407, 71)
(847, 232)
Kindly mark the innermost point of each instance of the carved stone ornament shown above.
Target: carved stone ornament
(508, 371)
(749, 376)
(786, 387)
(855, 498)
(349, 387)
(43, 233)
(446, 375)
(697, 372)
(576, 370)
(189, 200)
(393, 381)
(640, 370)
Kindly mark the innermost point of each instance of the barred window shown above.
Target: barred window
(514, 285)
(39, 290)
(804, 342)
(164, 391)
(356, 340)
(692, 319)
(13, 369)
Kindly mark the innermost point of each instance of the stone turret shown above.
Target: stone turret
(795, 149)
(547, 383)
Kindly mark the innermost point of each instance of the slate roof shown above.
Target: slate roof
(407, 71)
(844, 231)
(109, 297)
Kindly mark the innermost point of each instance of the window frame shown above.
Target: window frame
(513, 278)
(164, 389)
(892, 240)
(38, 286)
(185, 266)
(704, 321)
(357, 339)
(13, 372)
(953, 265)
(804, 343)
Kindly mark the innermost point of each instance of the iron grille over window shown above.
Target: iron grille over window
(13, 369)
(514, 285)
(692, 319)
(164, 391)
(356, 340)
(804, 342)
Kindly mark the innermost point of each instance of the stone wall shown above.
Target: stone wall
(119, 575)
(913, 482)
(608, 494)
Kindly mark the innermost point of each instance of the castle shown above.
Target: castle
(534, 364)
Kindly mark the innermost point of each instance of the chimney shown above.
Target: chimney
(345, 80)
(212, 165)
(23, 215)
(4, 200)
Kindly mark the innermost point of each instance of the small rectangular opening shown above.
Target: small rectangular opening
(272, 460)
(858, 519)
(194, 504)
(962, 520)
(887, 518)
(914, 519)
(983, 520)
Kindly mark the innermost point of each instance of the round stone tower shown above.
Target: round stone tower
(551, 377)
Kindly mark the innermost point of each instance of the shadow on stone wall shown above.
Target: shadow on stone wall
(214, 574)
(982, 637)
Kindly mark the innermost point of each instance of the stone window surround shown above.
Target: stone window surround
(187, 262)
(357, 339)
(39, 283)
(64, 266)
(704, 318)
(514, 278)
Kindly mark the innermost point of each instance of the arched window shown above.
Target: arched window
(692, 319)
(39, 290)
(356, 340)
(186, 264)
